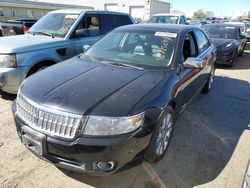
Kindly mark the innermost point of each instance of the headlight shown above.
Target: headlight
(106, 126)
(227, 47)
(8, 61)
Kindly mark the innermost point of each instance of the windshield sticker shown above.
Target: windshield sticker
(166, 34)
(72, 16)
(230, 27)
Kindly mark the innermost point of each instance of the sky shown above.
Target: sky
(219, 7)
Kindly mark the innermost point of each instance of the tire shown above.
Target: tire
(161, 137)
(241, 53)
(209, 83)
(38, 67)
(231, 64)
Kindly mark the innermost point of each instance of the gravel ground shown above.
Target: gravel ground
(210, 146)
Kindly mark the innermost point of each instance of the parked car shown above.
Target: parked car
(58, 36)
(248, 31)
(242, 25)
(168, 18)
(196, 23)
(229, 41)
(210, 20)
(17, 27)
(1, 30)
(117, 101)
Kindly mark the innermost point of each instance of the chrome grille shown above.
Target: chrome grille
(52, 122)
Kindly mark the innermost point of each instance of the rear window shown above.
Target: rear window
(164, 19)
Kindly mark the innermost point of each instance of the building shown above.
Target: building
(142, 9)
(31, 9)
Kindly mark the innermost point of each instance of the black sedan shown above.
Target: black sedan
(228, 40)
(116, 102)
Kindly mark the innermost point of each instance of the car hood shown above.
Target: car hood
(27, 42)
(90, 88)
(221, 42)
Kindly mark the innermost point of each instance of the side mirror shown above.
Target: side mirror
(85, 47)
(81, 33)
(193, 63)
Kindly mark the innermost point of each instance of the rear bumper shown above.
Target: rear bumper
(84, 153)
(11, 78)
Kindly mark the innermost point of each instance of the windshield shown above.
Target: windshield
(55, 24)
(221, 31)
(164, 19)
(146, 49)
(248, 25)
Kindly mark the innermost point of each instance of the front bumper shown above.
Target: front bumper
(84, 153)
(225, 58)
(11, 78)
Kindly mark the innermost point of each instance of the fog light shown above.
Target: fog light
(105, 166)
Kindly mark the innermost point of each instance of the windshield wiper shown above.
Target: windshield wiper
(126, 65)
(43, 33)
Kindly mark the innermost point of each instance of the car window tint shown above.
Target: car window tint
(189, 46)
(164, 19)
(109, 22)
(138, 47)
(91, 23)
(202, 41)
(182, 20)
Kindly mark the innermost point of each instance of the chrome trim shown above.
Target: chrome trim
(53, 122)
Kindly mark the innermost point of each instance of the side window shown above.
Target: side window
(123, 20)
(182, 20)
(109, 22)
(239, 31)
(90, 23)
(189, 47)
(202, 41)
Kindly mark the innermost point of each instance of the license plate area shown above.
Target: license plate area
(33, 140)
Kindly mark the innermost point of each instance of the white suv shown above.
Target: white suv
(168, 18)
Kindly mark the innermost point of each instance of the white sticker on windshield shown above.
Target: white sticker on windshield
(230, 27)
(166, 34)
(72, 16)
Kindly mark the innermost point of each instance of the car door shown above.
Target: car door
(90, 23)
(206, 53)
(195, 45)
(241, 41)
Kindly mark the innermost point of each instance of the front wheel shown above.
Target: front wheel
(161, 137)
(209, 82)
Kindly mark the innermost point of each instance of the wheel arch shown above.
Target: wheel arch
(37, 64)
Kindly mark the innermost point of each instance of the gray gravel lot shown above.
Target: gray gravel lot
(210, 146)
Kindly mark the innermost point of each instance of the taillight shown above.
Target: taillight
(25, 29)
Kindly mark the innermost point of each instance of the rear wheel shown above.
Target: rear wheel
(209, 82)
(161, 137)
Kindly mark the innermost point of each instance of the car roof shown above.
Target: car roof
(175, 28)
(80, 11)
(168, 14)
(236, 23)
(222, 24)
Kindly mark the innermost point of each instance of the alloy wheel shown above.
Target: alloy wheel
(164, 135)
(211, 80)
